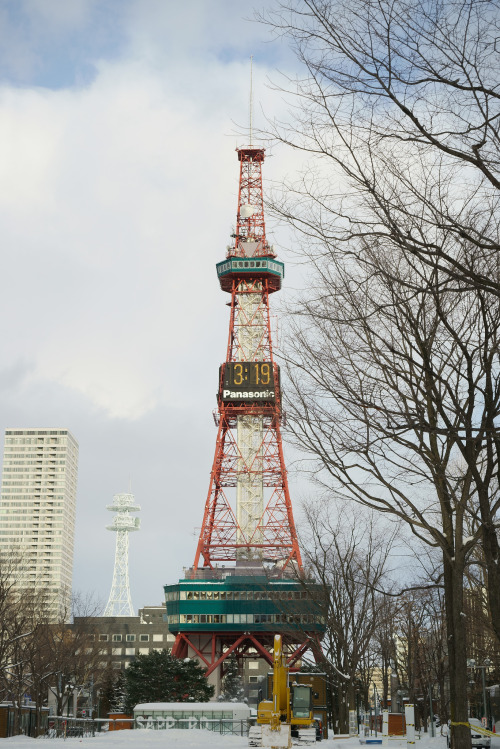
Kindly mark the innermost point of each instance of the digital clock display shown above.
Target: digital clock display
(248, 381)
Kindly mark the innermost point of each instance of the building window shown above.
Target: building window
(129, 651)
(130, 638)
(253, 665)
(117, 666)
(253, 679)
(103, 638)
(117, 638)
(157, 638)
(143, 638)
(143, 651)
(116, 651)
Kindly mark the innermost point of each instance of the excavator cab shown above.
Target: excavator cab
(302, 703)
(301, 715)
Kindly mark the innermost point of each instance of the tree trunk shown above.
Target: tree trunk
(492, 557)
(351, 695)
(453, 582)
(343, 714)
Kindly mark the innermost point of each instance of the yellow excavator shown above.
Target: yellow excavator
(288, 718)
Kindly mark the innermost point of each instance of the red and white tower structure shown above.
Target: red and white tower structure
(256, 523)
(245, 584)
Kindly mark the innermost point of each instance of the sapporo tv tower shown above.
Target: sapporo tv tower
(244, 586)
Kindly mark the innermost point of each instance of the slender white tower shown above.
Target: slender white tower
(120, 601)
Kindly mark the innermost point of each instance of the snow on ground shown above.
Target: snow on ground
(197, 739)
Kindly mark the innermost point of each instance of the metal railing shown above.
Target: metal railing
(62, 728)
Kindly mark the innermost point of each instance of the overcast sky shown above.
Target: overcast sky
(118, 188)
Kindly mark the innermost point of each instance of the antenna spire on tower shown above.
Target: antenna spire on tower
(251, 99)
(120, 601)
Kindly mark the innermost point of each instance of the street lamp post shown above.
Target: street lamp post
(91, 697)
(471, 663)
(431, 711)
(69, 692)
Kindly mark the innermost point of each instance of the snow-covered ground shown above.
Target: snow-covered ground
(197, 739)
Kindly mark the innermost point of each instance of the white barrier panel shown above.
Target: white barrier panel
(385, 726)
(353, 727)
(410, 724)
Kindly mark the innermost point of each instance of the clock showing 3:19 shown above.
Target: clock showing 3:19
(249, 373)
(248, 380)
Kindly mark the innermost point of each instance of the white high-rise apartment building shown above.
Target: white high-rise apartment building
(38, 507)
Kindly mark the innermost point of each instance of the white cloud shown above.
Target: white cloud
(116, 201)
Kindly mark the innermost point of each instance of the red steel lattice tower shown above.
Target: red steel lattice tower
(220, 609)
(249, 466)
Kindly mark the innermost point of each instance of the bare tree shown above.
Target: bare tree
(384, 646)
(348, 557)
(73, 650)
(23, 651)
(420, 651)
(482, 643)
(395, 351)
(434, 659)
(17, 619)
(388, 389)
(392, 92)
(10, 560)
(38, 650)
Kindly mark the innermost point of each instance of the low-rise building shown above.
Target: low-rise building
(123, 638)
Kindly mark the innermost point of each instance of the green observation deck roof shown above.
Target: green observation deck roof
(242, 603)
(253, 268)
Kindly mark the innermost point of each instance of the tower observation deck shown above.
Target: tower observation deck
(246, 582)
